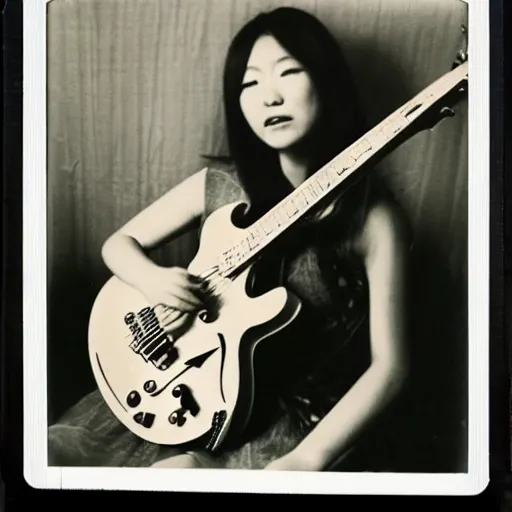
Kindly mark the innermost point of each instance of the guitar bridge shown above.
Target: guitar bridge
(149, 340)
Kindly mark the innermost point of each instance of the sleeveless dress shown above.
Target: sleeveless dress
(299, 376)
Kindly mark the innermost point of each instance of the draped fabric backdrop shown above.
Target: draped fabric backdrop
(134, 99)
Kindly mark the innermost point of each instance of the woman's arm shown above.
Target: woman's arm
(384, 248)
(126, 251)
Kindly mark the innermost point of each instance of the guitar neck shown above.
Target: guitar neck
(313, 190)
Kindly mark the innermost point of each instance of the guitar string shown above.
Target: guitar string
(213, 285)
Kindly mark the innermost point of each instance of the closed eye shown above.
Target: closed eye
(249, 84)
(291, 71)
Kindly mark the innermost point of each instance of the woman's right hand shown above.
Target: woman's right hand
(174, 294)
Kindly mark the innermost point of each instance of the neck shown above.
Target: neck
(296, 168)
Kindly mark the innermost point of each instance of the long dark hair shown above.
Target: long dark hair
(341, 122)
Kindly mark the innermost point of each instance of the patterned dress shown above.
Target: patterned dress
(300, 375)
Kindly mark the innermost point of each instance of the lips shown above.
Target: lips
(275, 120)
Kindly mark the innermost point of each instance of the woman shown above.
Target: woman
(290, 107)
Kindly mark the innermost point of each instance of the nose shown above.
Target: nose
(273, 101)
(271, 96)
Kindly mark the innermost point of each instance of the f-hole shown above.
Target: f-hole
(206, 316)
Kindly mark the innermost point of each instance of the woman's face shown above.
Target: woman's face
(278, 98)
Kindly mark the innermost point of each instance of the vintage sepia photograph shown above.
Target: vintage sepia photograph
(263, 249)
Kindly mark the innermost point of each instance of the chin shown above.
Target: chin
(282, 143)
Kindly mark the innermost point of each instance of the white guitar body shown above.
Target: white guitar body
(184, 402)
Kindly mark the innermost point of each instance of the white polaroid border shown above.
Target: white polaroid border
(36, 470)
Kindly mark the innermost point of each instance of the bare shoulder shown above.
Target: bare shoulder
(194, 183)
(184, 201)
(385, 230)
(171, 213)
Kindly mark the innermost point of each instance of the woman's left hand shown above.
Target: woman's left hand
(294, 462)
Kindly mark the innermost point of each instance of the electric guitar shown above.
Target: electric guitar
(198, 386)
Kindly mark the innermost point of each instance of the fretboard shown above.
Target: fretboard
(313, 190)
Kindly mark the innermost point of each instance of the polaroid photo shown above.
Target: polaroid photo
(256, 246)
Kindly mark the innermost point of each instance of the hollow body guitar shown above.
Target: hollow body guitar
(176, 391)
(198, 385)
